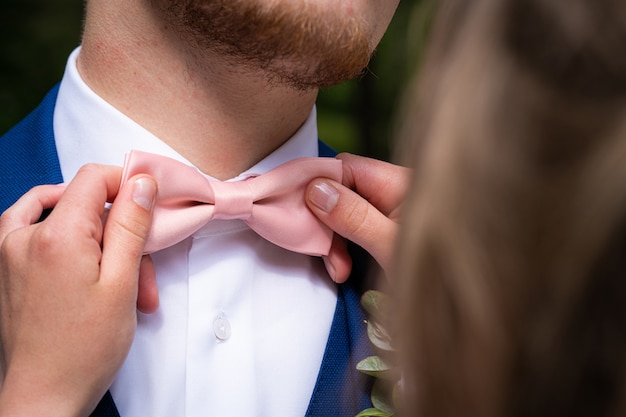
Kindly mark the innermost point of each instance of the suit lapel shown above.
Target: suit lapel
(325, 150)
(340, 389)
(28, 155)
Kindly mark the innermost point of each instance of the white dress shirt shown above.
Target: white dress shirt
(242, 324)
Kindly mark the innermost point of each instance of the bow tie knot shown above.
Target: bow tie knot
(271, 204)
(232, 200)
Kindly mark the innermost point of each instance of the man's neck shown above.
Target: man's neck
(218, 116)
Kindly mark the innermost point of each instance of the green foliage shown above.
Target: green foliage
(381, 366)
(374, 366)
(373, 412)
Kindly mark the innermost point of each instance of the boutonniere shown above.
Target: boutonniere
(382, 365)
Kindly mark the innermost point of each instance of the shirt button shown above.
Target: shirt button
(221, 328)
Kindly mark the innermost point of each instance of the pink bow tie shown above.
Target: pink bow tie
(272, 204)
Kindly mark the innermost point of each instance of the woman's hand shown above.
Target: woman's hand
(364, 209)
(69, 289)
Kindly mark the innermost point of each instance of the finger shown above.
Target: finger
(93, 184)
(383, 184)
(148, 293)
(338, 262)
(85, 198)
(125, 233)
(29, 208)
(353, 217)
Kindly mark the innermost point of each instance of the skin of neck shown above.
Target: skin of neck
(221, 117)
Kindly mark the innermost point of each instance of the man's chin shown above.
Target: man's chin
(320, 73)
(303, 46)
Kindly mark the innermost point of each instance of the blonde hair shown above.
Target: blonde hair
(511, 265)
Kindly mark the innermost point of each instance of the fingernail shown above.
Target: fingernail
(144, 192)
(324, 196)
(329, 267)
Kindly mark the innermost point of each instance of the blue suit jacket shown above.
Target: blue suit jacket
(28, 157)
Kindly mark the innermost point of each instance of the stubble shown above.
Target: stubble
(301, 45)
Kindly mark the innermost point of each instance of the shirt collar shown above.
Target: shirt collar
(88, 129)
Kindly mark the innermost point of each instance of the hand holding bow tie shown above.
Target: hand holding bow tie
(272, 204)
(365, 208)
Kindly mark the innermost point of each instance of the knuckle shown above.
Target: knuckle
(356, 219)
(90, 168)
(14, 247)
(5, 220)
(92, 171)
(47, 241)
(130, 228)
(7, 247)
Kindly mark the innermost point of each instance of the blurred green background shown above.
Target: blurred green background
(357, 116)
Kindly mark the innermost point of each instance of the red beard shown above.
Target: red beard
(300, 45)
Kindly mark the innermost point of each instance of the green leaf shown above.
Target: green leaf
(374, 366)
(382, 397)
(373, 412)
(379, 336)
(375, 304)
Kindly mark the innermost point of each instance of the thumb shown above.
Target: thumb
(125, 232)
(353, 217)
